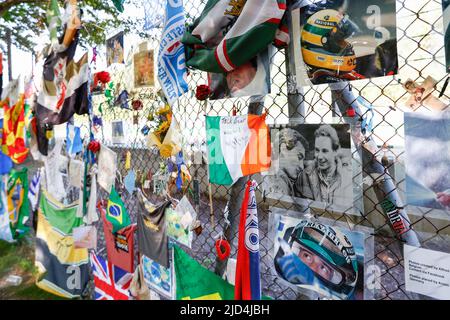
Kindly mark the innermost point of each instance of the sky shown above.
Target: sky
(22, 61)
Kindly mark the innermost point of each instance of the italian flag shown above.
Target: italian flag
(230, 33)
(237, 146)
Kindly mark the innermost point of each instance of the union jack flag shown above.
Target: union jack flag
(111, 282)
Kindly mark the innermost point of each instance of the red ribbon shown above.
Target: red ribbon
(94, 146)
(223, 249)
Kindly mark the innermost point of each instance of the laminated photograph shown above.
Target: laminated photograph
(107, 167)
(144, 71)
(320, 258)
(179, 221)
(118, 134)
(157, 277)
(427, 146)
(343, 40)
(311, 166)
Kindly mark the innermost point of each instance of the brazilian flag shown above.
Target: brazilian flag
(17, 198)
(116, 213)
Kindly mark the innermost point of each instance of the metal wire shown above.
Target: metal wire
(420, 53)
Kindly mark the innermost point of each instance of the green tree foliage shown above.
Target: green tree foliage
(26, 20)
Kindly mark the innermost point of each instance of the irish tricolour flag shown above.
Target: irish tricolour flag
(237, 146)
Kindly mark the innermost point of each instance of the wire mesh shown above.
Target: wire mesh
(420, 53)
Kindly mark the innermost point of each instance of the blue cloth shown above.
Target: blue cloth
(74, 144)
(172, 72)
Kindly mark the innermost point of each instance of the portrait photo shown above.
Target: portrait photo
(144, 71)
(312, 163)
(252, 78)
(344, 40)
(114, 49)
(427, 145)
(118, 134)
(318, 258)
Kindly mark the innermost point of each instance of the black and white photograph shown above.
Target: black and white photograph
(427, 145)
(344, 40)
(446, 17)
(311, 162)
(252, 78)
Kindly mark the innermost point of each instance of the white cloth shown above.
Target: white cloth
(56, 167)
(92, 215)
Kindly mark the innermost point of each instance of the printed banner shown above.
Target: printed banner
(65, 86)
(63, 268)
(172, 72)
(248, 280)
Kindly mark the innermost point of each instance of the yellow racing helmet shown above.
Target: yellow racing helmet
(323, 42)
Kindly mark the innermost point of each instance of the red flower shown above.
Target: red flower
(137, 105)
(94, 146)
(103, 77)
(203, 92)
(351, 112)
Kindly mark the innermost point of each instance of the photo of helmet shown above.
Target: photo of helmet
(323, 42)
(314, 254)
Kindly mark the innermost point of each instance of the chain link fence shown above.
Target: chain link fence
(420, 53)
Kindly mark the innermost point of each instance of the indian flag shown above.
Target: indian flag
(237, 146)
